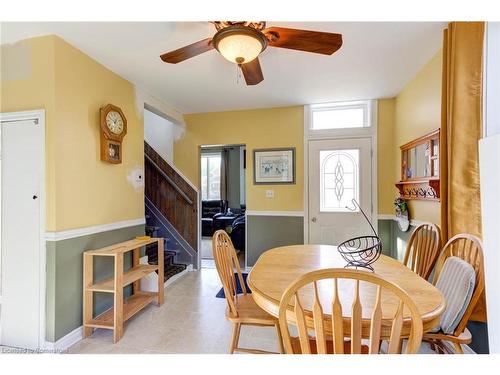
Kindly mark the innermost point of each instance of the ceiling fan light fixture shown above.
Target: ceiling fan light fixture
(239, 44)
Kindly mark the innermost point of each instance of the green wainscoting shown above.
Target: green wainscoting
(64, 278)
(267, 232)
(393, 239)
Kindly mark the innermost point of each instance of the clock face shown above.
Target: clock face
(114, 122)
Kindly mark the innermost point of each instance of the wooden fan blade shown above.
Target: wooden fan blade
(187, 52)
(303, 40)
(252, 72)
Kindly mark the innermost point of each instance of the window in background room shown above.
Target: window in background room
(342, 115)
(210, 176)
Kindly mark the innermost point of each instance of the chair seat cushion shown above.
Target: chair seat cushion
(456, 281)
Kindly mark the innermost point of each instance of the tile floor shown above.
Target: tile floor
(207, 258)
(191, 321)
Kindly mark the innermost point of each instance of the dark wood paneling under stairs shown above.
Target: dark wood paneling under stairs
(172, 195)
(171, 210)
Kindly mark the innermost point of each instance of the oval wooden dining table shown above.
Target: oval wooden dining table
(277, 268)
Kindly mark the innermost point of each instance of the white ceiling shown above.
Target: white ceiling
(376, 60)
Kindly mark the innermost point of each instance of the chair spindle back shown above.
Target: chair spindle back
(292, 311)
(226, 262)
(423, 248)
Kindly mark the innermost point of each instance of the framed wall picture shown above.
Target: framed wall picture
(274, 166)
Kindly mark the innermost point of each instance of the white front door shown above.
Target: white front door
(21, 145)
(339, 170)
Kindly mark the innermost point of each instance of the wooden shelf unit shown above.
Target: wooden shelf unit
(421, 187)
(123, 309)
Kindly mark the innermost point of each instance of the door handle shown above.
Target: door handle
(314, 219)
(35, 197)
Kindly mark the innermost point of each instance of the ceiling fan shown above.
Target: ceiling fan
(242, 42)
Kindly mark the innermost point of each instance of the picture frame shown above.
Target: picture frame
(272, 166)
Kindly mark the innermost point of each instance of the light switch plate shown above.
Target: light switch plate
(269, 193)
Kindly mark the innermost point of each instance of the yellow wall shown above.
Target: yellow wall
(418, 112)
(260, 128)
(33, 89)
(81, 190)
(276, 127)
(386, 162)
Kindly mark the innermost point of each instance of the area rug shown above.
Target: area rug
(238, 286)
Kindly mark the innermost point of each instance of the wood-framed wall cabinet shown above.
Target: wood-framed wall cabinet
(123, 309)
(420, 168)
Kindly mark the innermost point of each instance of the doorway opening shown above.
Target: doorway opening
(223, 198)
(340, 152)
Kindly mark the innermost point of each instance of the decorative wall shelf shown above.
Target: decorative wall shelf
(420, 189)
(420, 168)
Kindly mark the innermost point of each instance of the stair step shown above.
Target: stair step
(173, 247)
(168, 257)
(173, 269)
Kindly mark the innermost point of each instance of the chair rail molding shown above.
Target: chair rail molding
(79, 232)
(413, 222)
(275, 213)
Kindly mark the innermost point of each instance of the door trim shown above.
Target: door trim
(370, 133)
(37, 115)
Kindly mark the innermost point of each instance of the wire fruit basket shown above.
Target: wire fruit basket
(361, 252)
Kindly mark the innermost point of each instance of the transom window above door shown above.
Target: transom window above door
(340, 117)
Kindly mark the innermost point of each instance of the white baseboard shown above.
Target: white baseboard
(178, 276)
(76, 335)
(65, 342)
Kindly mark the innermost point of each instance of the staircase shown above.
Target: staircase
(171, 211)
(171, 268)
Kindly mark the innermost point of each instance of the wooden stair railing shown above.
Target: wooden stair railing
(172, 195)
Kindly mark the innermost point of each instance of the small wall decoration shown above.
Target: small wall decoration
(113, 128)
(274, 166)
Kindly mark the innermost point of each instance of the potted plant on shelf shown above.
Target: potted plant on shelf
(402, 214)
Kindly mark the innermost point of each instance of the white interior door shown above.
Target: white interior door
(339, 170)
(21, 172)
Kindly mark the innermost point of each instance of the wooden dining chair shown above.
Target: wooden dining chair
(291, 311)
(470, 249)
(241, 308)
(423, 249)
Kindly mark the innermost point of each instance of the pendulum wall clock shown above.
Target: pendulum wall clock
(113, 129)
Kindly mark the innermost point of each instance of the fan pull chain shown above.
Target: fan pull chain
(238, 73)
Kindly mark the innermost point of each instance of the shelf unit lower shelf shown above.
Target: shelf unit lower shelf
(131, 306)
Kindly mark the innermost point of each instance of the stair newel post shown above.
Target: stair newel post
(161, 271)
(118, 298)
